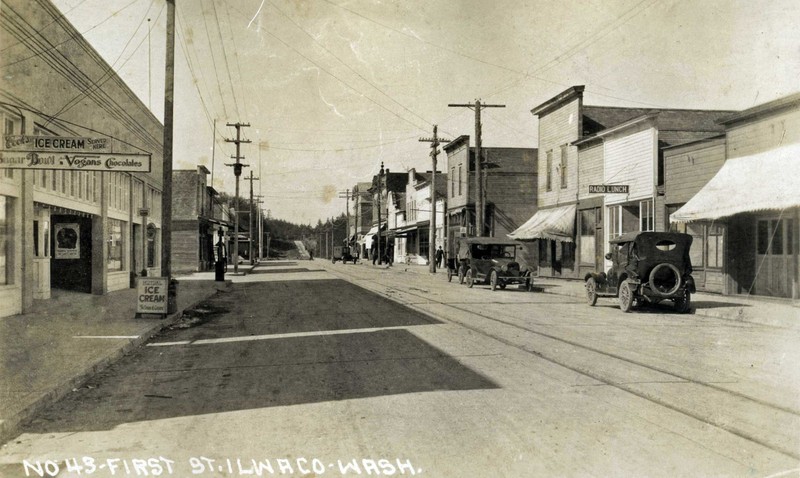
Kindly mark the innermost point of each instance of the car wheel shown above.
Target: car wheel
(469, 279)
(591, 291)
(665, 279)
(626, 296)
(493, 280)
(683, 303)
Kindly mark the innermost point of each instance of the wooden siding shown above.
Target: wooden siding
(558, 128)
(590, 169)
(688, 169)
(459, 158)
(764, 134)
(631, 160)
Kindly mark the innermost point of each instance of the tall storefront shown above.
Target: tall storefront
(87, 225)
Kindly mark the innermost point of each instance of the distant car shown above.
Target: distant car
(342, 253)
(646, 267)
(489, 260)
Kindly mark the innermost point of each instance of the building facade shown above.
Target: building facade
(195, 230)
(83, 231)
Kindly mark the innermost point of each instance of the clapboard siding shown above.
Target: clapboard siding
(688, 169)
(590, 169)
(764, 134)
(556, 129)
(630, 159)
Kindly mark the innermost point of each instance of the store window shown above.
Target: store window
(698, 244)
(549, 172)
(646, 215)
(115, 244)
(6, 240)
(563, 167)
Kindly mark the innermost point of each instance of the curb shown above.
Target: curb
(10, 427)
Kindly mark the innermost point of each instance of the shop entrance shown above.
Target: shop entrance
(71, 263)
(776, 257)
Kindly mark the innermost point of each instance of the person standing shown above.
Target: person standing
(439, 257)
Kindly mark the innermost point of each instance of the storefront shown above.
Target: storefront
(554, 230)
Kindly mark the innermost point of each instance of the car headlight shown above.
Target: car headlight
(504, 268)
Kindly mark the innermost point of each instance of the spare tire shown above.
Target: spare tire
(665, 280)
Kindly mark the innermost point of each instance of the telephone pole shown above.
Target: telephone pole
(250, 218)
(434, 153)
(347, 211)
(169, 100)
(237, 171)
(380, 188)
(479, 203)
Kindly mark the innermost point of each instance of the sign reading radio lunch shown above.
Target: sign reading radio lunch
(152, 295)
(609, 188)
(68, 153)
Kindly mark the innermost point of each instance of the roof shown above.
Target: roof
(456, 142)
(759, 182)
(787, 102)
(569, 94)
(598, 118)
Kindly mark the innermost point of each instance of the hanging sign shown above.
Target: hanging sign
(40, 144)
(609, 188)
(68, 241)
(151, 297)
(133, 163)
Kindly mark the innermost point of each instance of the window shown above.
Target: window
(563, 167)
(698, 246)
(714, 246)
(6, 240)
(453, 182)
(614, 222)
(114, 245)
(460, 180)
(647, 215)
(776, 237)
(549, 172)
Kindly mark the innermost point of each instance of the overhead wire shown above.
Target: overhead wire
(225, 56)
(236, 56)
(42, 29)
(214, 60)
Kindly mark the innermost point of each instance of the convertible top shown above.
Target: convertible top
(490, 240)
(676, 237)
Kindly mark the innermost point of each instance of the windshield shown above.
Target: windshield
(493, 251)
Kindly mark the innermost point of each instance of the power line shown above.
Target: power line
(41, 30)
(214, 61)
(236, 55)
(225, 55)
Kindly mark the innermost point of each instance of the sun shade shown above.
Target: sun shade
(758, 182)
(557, 224)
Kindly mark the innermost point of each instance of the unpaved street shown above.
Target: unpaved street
(312, 369)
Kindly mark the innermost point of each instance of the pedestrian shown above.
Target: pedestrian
(311, 254)
(374, 251)
(439, 257)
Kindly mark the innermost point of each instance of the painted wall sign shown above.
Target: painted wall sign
(151, 297)
(68, 241)
(609, 188)
(134, 163)
(40, 144)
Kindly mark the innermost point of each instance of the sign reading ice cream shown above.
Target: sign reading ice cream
(151, 295)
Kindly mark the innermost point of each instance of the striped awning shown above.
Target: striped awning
(759, 182)
(557, 224)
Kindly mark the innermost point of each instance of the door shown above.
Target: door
(41, 254)
(776, 256)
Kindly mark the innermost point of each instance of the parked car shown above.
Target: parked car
(342, 253)
(646, 267)
(489, 260)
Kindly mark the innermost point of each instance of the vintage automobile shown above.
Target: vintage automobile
(489, 260)
(645, 267)
(342, 253)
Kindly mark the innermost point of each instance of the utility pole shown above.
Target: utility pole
(432, 238)
(380, 188)
(237, 171)
(166, 177)
(250, 218)
(347, 211)
(260, 226)
(479, 203)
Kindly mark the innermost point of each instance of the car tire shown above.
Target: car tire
(683, 303)
(626, 296)
(493, 280)
(591, 291)
(469, 279)
(653, 276)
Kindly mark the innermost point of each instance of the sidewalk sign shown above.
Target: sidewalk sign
(151, 296)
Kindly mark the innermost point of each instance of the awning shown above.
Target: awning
(763, 181)
(557, 224)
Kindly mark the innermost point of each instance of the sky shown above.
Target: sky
(333, 88)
